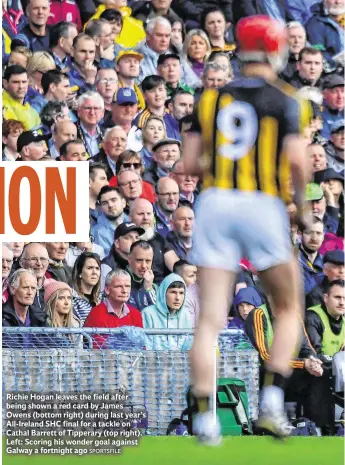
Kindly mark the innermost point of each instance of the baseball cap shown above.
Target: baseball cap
(129, 53)
(334, 256)
(334, 80)
(30, 136)
(327, 174)
(314, 192)
(125, 95)
(166, 56)
(165, 142)
(337, 125)
(125, 228)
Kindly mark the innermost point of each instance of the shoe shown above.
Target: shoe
(274, 423)
(207, 431)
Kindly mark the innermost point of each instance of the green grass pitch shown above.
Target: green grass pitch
(185, 451)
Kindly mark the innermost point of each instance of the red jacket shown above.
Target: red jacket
(148, 191)
(99, 317)
(64, 10)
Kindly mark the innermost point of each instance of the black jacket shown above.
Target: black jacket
(315, 296)
(242, 8)
(159, 268)
(9, 319)
(60, 273)
(144, 11)
(151, 175)
(191, 9)
(298, 82)
(101, 157)
(290, 69)
(114, 260)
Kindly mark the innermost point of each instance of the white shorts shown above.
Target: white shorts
(232, 225)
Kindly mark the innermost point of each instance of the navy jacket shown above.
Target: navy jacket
(162, 225)
(242, 8)
(191, 9)
(323, 30)
(172, 242)
(312, 273)
(32, 41)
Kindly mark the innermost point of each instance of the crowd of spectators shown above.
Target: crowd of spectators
(116, 83)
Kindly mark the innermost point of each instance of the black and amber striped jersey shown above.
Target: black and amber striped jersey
(256, 329)
(243, 126)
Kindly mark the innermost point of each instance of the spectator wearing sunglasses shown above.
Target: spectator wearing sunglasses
(130, 160)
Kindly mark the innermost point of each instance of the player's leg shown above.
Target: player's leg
(283, 285)
(217, 254)
(268, 247)
(215, 294)
(215, 291)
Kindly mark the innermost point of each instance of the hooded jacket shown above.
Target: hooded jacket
(247, 295)
(158, 316)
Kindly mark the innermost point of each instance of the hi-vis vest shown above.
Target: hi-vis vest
(331, 343)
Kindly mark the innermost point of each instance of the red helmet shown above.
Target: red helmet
(262, 39)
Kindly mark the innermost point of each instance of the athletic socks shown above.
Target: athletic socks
(272, 394)
(275, 379)
(202, 403)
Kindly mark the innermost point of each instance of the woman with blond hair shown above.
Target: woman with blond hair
(197, 49)
(59, 309)
(38, 64)
(153, 131)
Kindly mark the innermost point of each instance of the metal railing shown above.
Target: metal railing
(129, 359)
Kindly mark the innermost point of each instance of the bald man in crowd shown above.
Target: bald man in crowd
(141, 213)
(167, 201)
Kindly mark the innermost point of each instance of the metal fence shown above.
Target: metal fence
(137, 361)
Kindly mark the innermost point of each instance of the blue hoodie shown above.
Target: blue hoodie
(158, 316)
(247, 295)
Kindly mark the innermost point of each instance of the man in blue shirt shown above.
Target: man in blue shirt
(309, 257)
(82, 71)
(333, 93)
(55, 85)
(168, 198)
(90, 113)
(61, 41)
(111, 205)
(35, 35)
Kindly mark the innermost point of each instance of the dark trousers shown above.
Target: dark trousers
(314, 395)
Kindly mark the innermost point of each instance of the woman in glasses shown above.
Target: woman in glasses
(130, 160)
